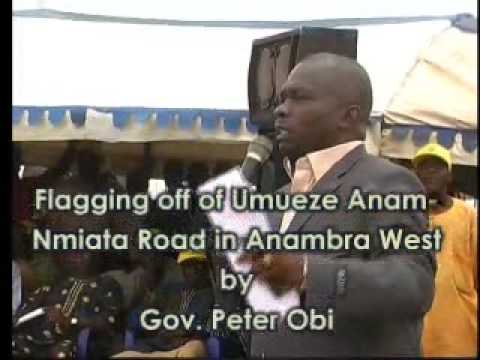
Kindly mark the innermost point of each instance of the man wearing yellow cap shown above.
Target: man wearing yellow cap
(194, 298)
(195, 269)
(450, 328)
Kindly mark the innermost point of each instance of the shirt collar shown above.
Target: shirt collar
(322, 160)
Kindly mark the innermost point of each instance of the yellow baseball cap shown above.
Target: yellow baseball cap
(190, 255)
(434, 150)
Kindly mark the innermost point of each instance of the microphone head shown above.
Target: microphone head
(260, 148)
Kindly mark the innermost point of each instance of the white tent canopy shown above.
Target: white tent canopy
(61, 62)
(91, 63)
(437, 101)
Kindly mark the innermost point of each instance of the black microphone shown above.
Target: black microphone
(258, 152)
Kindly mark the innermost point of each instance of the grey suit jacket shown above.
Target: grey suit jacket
(379, 298)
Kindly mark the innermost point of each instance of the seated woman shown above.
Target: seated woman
(80, 299)
(193, 297)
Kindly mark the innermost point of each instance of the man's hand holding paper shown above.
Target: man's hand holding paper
(282, 272)
(275, 288)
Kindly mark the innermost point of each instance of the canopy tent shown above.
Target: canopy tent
(141, 81)
(211, 135)
(61, 62)
(118, 67)
(437, 101)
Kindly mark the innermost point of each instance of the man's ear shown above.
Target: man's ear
(351, 118)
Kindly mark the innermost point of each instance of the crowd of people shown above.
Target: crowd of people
(403, 304)
(103, 292)
(106, 294)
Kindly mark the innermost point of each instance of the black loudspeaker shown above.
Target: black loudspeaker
(275, 56)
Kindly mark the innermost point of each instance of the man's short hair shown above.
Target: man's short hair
(355, 71)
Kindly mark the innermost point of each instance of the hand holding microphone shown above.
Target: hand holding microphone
(281, 271)
(258, 152)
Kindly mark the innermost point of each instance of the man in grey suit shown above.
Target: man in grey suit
(379, 297)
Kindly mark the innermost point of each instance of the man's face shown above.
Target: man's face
(307, 118)
(80, 262)
(434, 174)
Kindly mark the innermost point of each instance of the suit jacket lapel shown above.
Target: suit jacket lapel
(330, 182)
(275, 217)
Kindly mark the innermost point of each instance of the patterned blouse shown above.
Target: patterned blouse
(84, 303)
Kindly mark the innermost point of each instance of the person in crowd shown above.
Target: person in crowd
(379, 296)
(34, 268)
(147, 271)
(80, 298)
(87, 163)
(233, 343)
(450, 327)
(194, 296)
(137, 179)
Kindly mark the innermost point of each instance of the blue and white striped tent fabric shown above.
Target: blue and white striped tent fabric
(33, 123)
(186, 135)
(232, 123)
(139, 125)
(402, 141)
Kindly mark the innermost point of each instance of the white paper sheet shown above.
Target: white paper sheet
(29, 316)
(260, 297)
